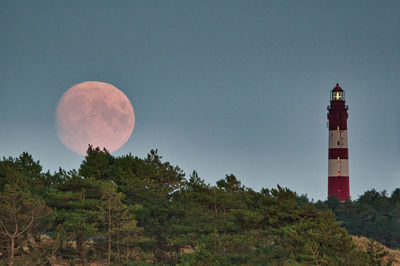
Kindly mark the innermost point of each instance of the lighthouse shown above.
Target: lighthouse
(338, 162)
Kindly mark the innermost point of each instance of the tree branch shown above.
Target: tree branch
(28, 226)
(5, 234)
(5, 229)
(16, 227)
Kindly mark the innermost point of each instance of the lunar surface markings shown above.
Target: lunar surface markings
(94, 113)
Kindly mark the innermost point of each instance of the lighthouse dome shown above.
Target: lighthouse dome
(337, 88)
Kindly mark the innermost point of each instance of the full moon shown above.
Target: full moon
(95, 113)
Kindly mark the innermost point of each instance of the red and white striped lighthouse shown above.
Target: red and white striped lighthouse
(338, 166)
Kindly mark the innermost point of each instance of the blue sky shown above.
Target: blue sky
(217, 86)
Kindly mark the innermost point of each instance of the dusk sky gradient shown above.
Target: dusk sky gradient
(218, 87)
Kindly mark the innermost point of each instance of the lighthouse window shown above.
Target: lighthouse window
(338, 143)
(337, 95)
(338, 158)
(338, 127)
(338, 173)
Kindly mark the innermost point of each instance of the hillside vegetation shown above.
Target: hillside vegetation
(374, 215)
(136, 211)
(388, 255)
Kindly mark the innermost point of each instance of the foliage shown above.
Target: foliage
(375, 253)
(374, 215)
(128, 210)
(21, 216)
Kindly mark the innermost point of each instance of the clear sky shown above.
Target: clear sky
(217, 86)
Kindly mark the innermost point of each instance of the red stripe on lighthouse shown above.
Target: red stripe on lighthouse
(339, 186)
(335, 123)
(341, 153)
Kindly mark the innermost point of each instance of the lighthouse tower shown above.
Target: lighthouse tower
(338, 166)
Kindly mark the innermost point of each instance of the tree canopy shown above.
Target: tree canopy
(128, 210)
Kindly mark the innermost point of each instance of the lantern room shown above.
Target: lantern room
(337, 94)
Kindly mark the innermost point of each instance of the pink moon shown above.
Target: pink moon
(95, 113)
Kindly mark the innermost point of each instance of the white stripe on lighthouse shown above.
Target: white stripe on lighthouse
(338, 139)
(338, 167)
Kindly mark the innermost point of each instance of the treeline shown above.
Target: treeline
(374, 215)
(136, 211)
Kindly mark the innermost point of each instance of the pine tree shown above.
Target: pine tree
(21, 215)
